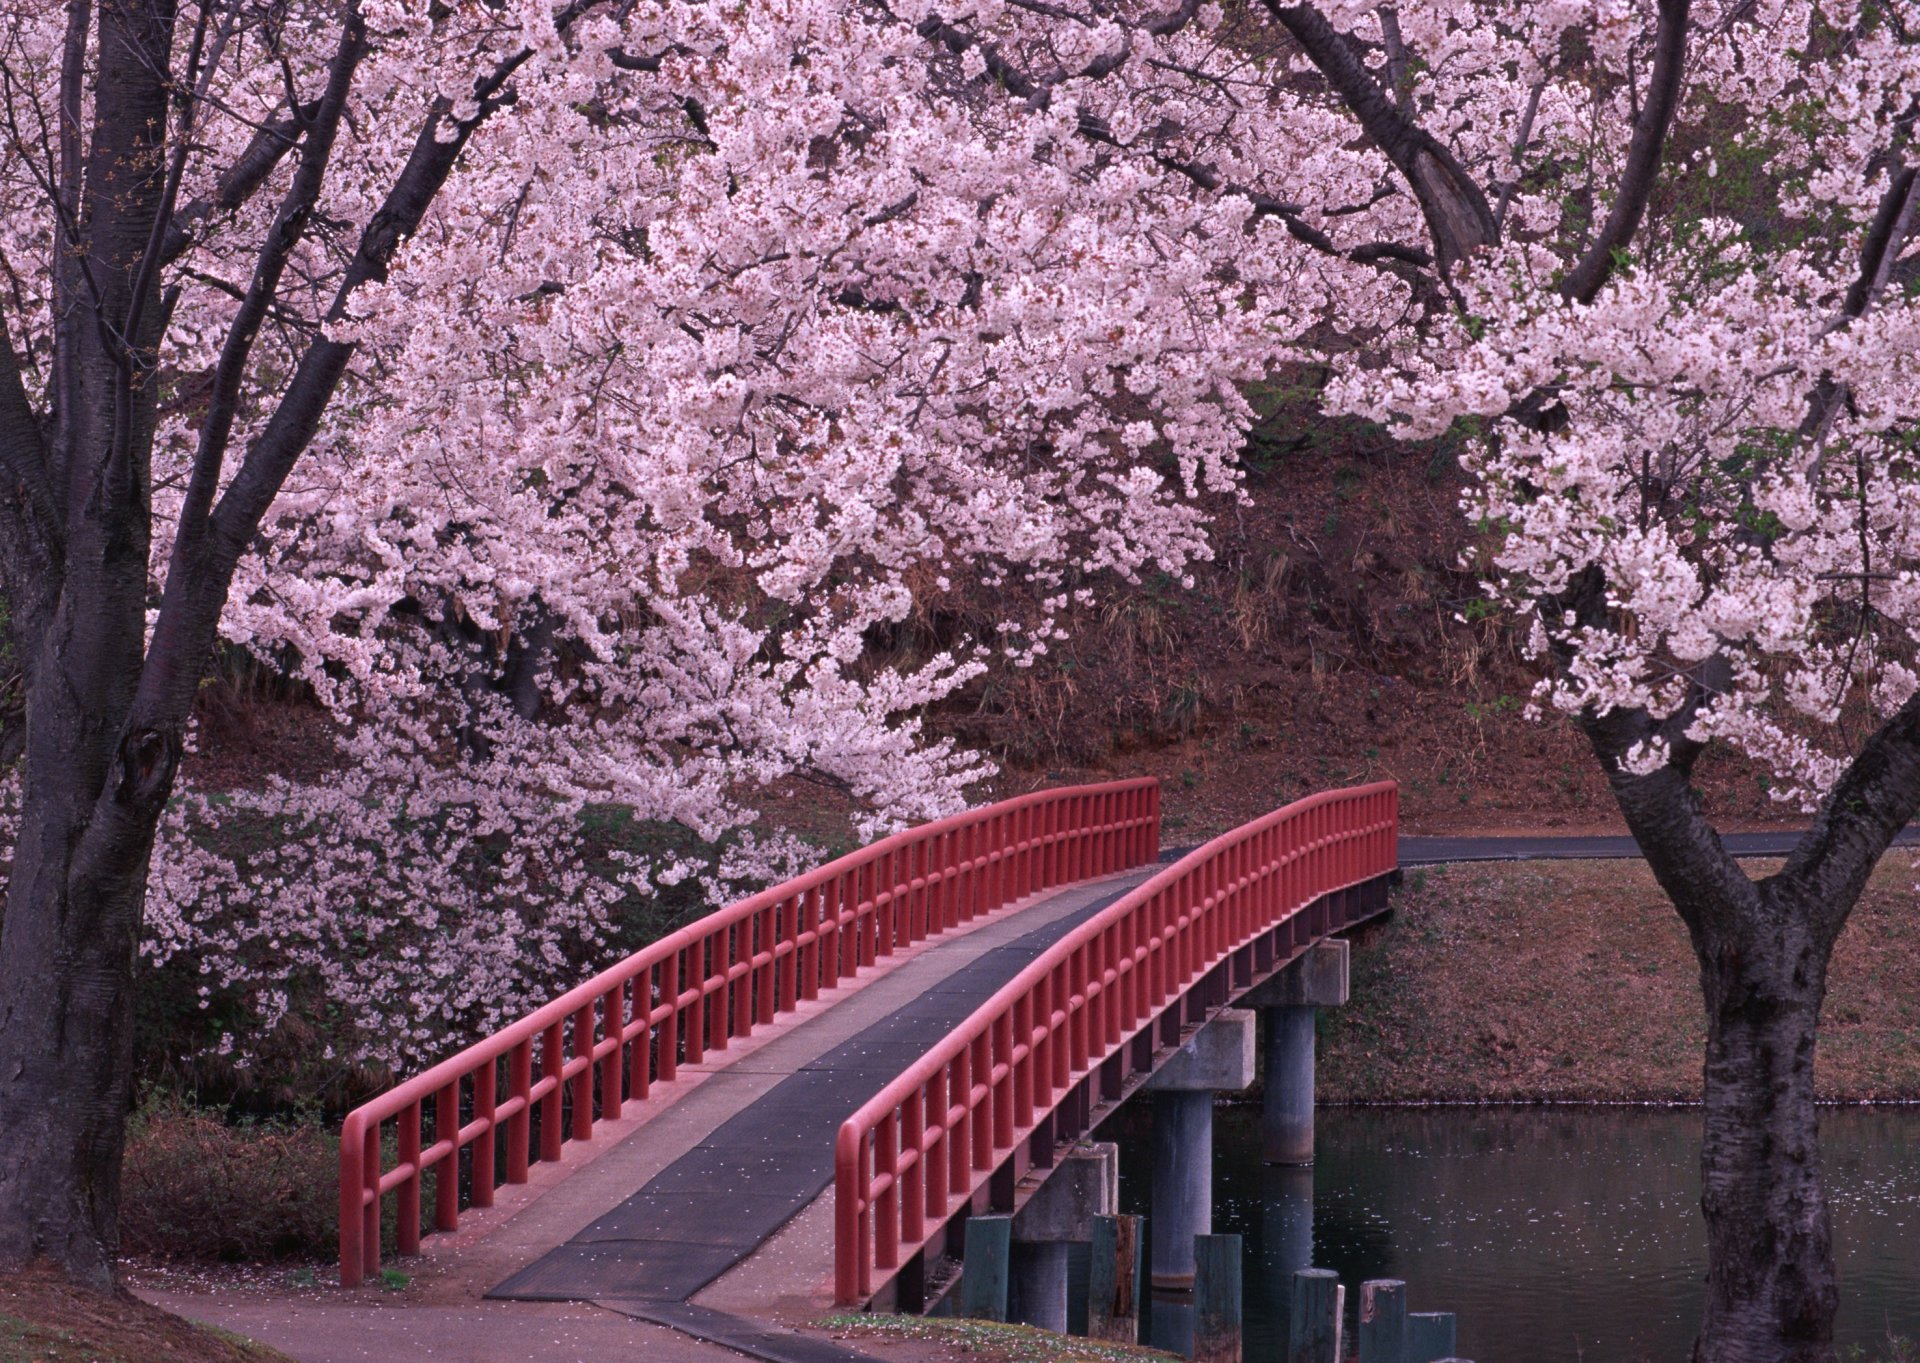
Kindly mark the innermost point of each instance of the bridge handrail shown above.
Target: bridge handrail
(966, 1102)
(710, 981)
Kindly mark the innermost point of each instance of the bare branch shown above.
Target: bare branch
(1893, 223)
(1520, 142)
(1650, 127)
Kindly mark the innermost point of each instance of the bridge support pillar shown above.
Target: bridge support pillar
(1084, 1184)
(1216, 1059)
(1318, 979)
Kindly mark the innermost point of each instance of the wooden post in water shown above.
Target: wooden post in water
(1314, 1322)
(1216, 1299)
(1430, 1336)
(985, 1267)
(1383, 1321)
(1113, 1281)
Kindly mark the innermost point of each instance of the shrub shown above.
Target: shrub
(196, 1187)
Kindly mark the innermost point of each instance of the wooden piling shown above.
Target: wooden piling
(1313, 1323)
(1383, 1321)
(1113, 1281)
(1430, 1336)
(1216, 1299)
(986, 1267)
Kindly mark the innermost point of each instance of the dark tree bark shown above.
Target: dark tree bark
(1764, 949)
(105, 708)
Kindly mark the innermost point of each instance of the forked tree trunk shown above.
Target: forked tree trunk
(1771, 1288)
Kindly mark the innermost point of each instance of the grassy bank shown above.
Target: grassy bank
(987, 1341)
(1574, 981)
(45, 1320)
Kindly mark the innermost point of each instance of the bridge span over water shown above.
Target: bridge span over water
(807, 1096)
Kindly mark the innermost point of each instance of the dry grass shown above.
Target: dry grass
(44, 1319)
(1574, 981)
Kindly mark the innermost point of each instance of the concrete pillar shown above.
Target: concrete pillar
(1318, 979)
(1217, 1058)
(1286, 1105)
(1037, 1291)
(1182, 1183)
(1085, 1183)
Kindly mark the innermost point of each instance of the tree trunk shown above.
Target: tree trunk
(67, 949)
(1771, 1289)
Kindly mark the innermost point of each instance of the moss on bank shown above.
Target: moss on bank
(46, 1320)
(1574, 981)
(990, 1341)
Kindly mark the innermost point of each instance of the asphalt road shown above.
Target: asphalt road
(1431, 851)
(1425, 851)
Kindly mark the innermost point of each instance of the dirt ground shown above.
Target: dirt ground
(45, 1320)
(1574, 981)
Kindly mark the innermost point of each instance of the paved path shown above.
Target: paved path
(318, 1331)
(1429, 851)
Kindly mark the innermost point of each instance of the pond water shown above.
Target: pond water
(1554, 1234)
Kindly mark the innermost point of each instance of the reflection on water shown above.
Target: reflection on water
(1569, 1234)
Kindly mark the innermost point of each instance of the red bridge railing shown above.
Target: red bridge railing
(584, 1055)
(927, 1140)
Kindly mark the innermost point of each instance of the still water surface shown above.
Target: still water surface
(1569, 1234)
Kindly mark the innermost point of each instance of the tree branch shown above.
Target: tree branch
(1662, 809)
(1455, 207)
(250, 169)
(190, 609)
(1037, 92)
(1886, 238)
(1875, 798)
(1650, 128)
(276, 249)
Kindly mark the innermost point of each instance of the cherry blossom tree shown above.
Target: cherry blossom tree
(566, 395)
(569, 394)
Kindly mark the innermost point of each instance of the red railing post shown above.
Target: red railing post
(485, 1111)
(668, 1046)
(912, 1181)
(613, 1033)
(582, 1081)
(553, 1062)
(851, 1243)
(886, 1206)
(446, 1170)
(407, 1234)
(357, 1256)
(520, 1091)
